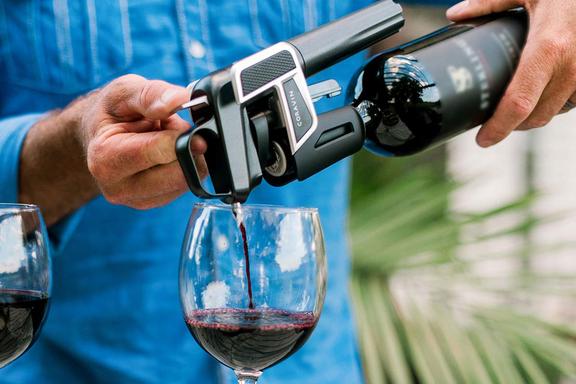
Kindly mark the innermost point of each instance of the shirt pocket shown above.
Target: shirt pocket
(64, 46)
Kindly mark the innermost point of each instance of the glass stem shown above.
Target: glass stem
(248, 377)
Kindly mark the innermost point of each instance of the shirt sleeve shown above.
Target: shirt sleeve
(13, 132)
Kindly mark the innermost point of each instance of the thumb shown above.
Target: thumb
(132, 96)
(159, 100)
(474, 8)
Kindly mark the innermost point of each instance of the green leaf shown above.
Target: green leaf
(464, 357)
(496, 356)
(467, 327)
(370, 354)
(393, 358)
(534, 373)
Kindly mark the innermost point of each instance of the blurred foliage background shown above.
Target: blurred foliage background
(436, 301)
(426, 313)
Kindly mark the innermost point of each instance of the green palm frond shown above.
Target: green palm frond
(424, 313)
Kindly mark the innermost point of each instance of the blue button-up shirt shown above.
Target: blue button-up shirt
(115, 314)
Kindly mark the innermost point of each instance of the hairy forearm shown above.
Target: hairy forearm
(53, 170)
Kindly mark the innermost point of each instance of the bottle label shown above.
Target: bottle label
(471, 71)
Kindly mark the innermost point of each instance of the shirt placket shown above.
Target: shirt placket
(194, 25)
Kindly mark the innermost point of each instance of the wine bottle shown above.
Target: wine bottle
(425, 92)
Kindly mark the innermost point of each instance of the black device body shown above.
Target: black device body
(425, 92)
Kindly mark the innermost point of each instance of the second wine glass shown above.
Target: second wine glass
(25, 279)
(252, 283)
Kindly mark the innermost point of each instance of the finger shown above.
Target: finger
(161, 183)
(131, 97)
(176, 123)
(138, 126)
(154, 202)
(198, 145)
(173, 122)
(146, 203)
(569, 105)
(520, 99)
(160, 180)
(474, 8)
(553, 100)
(160, 99)
(121, 155)
(201, 165)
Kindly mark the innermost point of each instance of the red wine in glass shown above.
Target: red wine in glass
(248, 338)
(245, 332)
(21, 316)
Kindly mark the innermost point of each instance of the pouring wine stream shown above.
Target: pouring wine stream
(237, 212)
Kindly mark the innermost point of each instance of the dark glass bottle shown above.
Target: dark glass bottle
(427, 91)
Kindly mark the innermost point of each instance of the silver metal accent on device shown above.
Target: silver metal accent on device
(194, 104)
(328, 89)
(297, 74)
(280, 165)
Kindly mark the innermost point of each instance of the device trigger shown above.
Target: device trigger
(328, 88)
(194, 104)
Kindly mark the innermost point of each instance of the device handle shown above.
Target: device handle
(333, 42)
(191, 169)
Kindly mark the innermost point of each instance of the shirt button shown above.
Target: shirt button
(196, 49)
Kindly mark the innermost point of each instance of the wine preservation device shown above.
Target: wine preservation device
(258, 117)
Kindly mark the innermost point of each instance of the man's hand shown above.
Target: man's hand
(546, 77)
(118, 141)
(130, 133)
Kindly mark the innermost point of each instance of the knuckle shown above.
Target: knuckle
(146, 93)
(115, 95)
(114, 198)
(95, 169)
(132, 154)
(126, 156)
(122, 81)
(529, 4)
(173, 180)
(150, 91)
(554, 46)
(571, 73)
(96, 166)
(142, 205)
(118, 194)
(149, 150)
(179, 182)
(520, 105)
(157, 148)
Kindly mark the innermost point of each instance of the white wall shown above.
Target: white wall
(498, 175)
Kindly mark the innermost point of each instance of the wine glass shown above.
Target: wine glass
(25, 279)
(252, 283)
